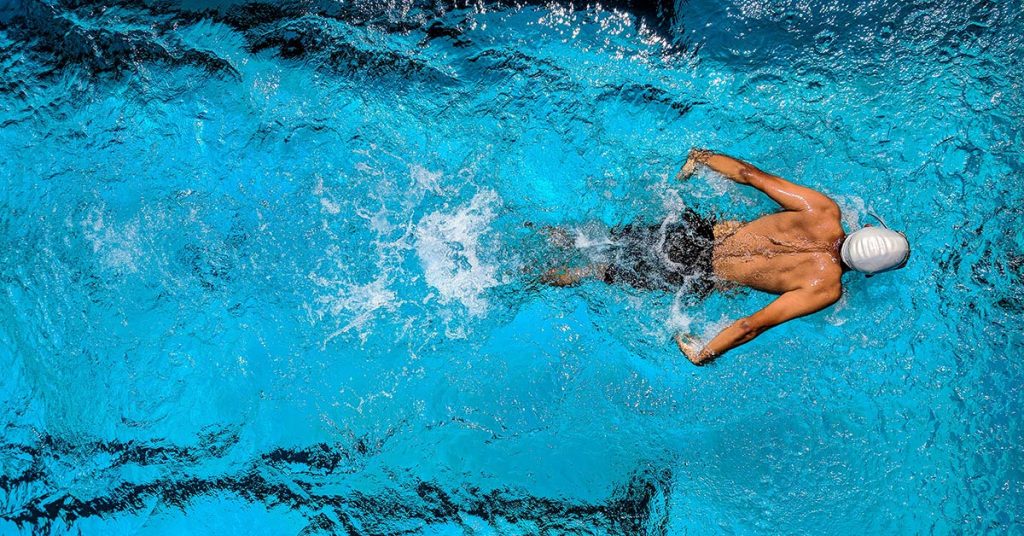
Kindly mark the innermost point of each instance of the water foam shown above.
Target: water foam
(356, 305)
(116, 247)
(851, 207)
(448, 246)
(678, 321)
(426, 179)
(591, 236)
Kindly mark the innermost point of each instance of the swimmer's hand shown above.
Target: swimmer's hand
(696, 156)
(689, 347)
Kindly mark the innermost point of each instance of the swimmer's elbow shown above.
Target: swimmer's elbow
(749, 329)
(746, 175)
(833, 294)
(826, 207)
(824, 296)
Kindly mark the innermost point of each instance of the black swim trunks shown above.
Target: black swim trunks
(665, 257)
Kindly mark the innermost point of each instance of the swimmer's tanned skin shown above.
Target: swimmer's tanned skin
(794, 253)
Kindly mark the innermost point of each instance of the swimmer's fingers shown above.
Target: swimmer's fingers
(696, 156)
(687, 171)
(688, 346)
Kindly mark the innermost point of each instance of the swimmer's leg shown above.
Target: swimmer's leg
(564, 276)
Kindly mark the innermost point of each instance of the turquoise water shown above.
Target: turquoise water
(265, 269)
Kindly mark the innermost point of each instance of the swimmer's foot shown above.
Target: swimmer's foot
(558, 237)
(567, 277)
(563, 276)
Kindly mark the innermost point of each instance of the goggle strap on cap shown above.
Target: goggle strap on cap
(877, 217)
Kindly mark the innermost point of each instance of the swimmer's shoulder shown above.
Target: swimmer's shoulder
(825, 218)
(825, 289)
(828, 277)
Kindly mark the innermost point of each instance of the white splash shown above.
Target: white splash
(679, 321)
(704, 184)
(117, 248)
(354, 305)
(591, 236)
(671, 201)
(852, 207)
(327, 203)
(836, 314)
(723, 187)
(714, 328)
(426, 179)
(448, 246)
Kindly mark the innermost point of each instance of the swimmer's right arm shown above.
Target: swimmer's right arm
(793, 304)
(787, 194)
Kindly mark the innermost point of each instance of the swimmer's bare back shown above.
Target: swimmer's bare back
(793, 253)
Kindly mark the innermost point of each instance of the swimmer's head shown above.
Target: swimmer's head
(875, 249)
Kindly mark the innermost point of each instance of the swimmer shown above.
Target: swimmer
(799, 254)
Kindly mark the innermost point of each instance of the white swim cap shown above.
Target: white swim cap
(875, 249)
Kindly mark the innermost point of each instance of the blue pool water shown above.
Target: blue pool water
(265, 268)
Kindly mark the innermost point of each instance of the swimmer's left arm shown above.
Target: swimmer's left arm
(793, 304)
(788, 195)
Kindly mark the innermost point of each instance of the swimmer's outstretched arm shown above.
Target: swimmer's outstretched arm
(793, 304)
(790, 196)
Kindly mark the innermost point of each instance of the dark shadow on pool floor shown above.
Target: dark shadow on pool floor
(638, 506)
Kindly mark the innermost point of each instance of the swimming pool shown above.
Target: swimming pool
(266, 268)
